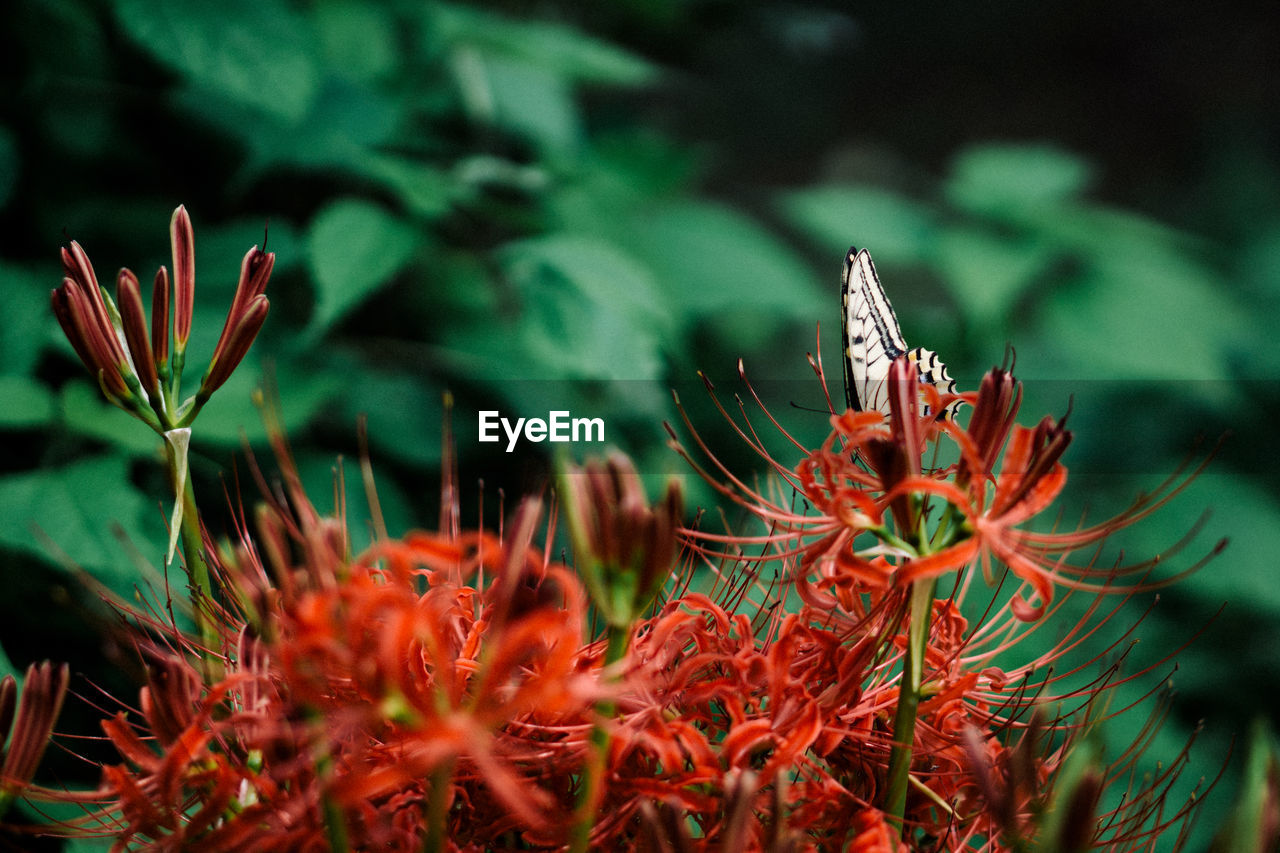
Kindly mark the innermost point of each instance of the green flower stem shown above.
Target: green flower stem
(597, 751)
(335, 825)
(198, 576)
(904, 721)
(438, 808)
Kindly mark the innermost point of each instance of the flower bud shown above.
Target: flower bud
(133, 319)
(160, 321)
(184, 276)
(624, 546)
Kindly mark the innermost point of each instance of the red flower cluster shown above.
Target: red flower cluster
(440, 692)
(835, 682)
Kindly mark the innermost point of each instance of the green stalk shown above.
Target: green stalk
(438, 808)
(335, 825)
(598, 751)
(201, 587)
(335, 822)
(904, 721)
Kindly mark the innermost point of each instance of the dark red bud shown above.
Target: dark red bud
(184, 275)
(61, 301)
(104, 353)
(134, 320)
(236, 345)
(42, 693)
(160, 321)
(255, 271)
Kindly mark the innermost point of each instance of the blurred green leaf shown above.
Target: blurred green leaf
(26, 404)
(1258, 263)
(1141, 309)
(404, 414)
(710, 258)
(232, 417)
(425, 190)
(483, 171)
(527, 100)
(1245, 575)
(85, 411)
(77, 507)
(62, 36)
(26, 308)
(559, 49)
(358, 39)
(894, 228)
(221, 247)
(1257, 268)
(1082, 763)
(589, 311)
(995, 180)
(255, 52)
(353, 248)
(340, 130)
(987, 273)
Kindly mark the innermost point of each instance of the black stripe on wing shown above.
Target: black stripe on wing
(872, 338)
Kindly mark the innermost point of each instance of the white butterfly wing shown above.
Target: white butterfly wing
(873, 339)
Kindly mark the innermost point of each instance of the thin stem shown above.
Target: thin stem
(200, 585)
(597, 751)
(438, 808)
(335, 824)
(904, 721)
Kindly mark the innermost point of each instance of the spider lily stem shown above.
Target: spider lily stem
(904, 721)
(200, 585)
(597, 751)
(438, 808)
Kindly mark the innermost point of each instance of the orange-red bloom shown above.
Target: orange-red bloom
(461, 690)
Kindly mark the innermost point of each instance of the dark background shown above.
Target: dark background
(577, 206)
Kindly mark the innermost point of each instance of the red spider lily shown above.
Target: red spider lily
(432, 676)
(874, 835)
(1007, 476)
(866, 483)
(438, 690)
(437, 686)
(460, 690)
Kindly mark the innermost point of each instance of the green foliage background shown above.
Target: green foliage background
(578, 206)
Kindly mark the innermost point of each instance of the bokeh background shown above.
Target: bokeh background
(578, 206)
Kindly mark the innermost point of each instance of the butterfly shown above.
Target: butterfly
(872, 340)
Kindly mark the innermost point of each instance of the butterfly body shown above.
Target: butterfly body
(873, 339)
